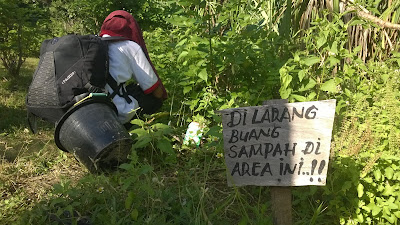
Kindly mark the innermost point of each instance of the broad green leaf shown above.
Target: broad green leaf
(377, 174)
(183, 54)
(366, 208)
(181, 21)
(392, 205)
(129, 200)
(165, 146)
(203, 75)
(385, 77)
(389, 190)
(360, 218)
(283, 71)
(142, 142)
(375, 210)
(356, 22)
(357, 49)
(160, 126)
(334, 47)
(389, 173)
(329, 86)
(311, 84)
(333, 60)
(368, 180)
(348, 70)
(386, 210)
(396, 176)
(181, 42)
(296, 57)
(184, 83)
(137, 122)
(134, 214)
(127, 166)
(286, 80)
(311, 96)
(285, 93)
(311, 60)
(360, 190)
(321, 41)
(301, 75)
(145, 169)
(299, 98)
(187, 89)
(381, 187)
(201, 62)
(390, 218)
(140, 132)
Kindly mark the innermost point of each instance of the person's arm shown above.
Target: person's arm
(143, 71)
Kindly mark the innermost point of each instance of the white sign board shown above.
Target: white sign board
(278, 144)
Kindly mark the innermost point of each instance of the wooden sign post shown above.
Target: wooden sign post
(281, 197)
(278, 144)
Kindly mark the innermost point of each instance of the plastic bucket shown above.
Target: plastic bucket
(93, 134)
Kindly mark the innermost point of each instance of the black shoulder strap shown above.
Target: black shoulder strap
(32, 122)
(117, 89)
(110, 80)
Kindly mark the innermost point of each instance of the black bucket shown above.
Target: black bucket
(92, 133)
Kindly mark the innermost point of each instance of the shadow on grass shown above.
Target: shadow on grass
(12, 105)
(16, 84)
(12, 118)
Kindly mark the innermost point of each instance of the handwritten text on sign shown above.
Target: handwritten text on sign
(278, 144)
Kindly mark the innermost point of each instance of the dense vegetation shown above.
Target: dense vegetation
(212, 55)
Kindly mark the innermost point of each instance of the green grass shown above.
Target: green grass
(29, 164)
(16, 140)
(40, 184)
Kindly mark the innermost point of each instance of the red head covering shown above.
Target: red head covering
(121, 23)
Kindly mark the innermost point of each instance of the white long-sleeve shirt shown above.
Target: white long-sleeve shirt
(126, 61)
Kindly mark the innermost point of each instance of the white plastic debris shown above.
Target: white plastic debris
(193, 134)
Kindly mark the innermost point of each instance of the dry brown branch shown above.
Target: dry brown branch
(374, 19)
(365, 14)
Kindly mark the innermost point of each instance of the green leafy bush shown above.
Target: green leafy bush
(215, 55)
